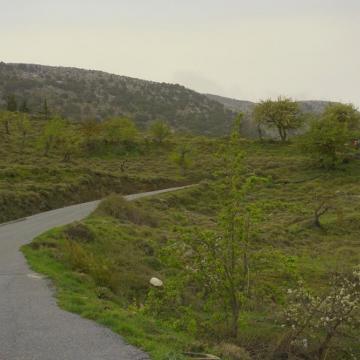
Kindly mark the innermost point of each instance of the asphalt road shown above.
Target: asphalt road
(32, 326)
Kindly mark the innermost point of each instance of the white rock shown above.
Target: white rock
(156, 282)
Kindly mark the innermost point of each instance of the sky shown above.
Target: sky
(249, 50)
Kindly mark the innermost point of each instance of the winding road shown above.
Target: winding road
(32, 326)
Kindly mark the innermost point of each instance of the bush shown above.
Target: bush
(79, 232)
(117, 207)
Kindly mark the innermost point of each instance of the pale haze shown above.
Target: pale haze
(243, 49)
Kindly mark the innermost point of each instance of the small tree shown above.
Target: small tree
(316, 320)
(159, 131)
(52, 135)
(328, 141)
(23, 126)
(119, 131)
(283, 115)
(69, 143)
(220, 259)
(58, 135)
(181, 157)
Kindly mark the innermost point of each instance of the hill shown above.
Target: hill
(80, 94)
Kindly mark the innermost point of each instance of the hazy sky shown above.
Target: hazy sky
(307, 49)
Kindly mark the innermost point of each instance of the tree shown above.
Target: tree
(322, 318)
(181, 157)
(329, 138)
(69, 143)
(52, 135)
(283, 115)
(159, 131)
(58, 135)
(119, 131)
(11, 103)
(219, 259)
(344, 113)
(221, 266)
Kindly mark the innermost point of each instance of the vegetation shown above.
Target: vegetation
(283, 115)
(182, 157)
(263, 219)
(258, 208)
(159, 131)
(79, 95)
(333, 138)
(317, 321)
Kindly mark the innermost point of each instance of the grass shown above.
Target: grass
(102, 266)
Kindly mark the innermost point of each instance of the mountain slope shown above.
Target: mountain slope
(233, 104)
(81, 94)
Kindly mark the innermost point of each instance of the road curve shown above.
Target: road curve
(32, 326)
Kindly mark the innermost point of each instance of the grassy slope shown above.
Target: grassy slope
(131, 247)
(30, 182)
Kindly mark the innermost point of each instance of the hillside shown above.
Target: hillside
(82, 94)
(101, 266)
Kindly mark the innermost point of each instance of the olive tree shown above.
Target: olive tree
(282, 114)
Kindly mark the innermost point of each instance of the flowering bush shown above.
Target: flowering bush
(317, 320)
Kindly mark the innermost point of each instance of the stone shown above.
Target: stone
(156, 282)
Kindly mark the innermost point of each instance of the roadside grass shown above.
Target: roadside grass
(78, 293)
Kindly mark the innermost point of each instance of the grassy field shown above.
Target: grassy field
(101, 266)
